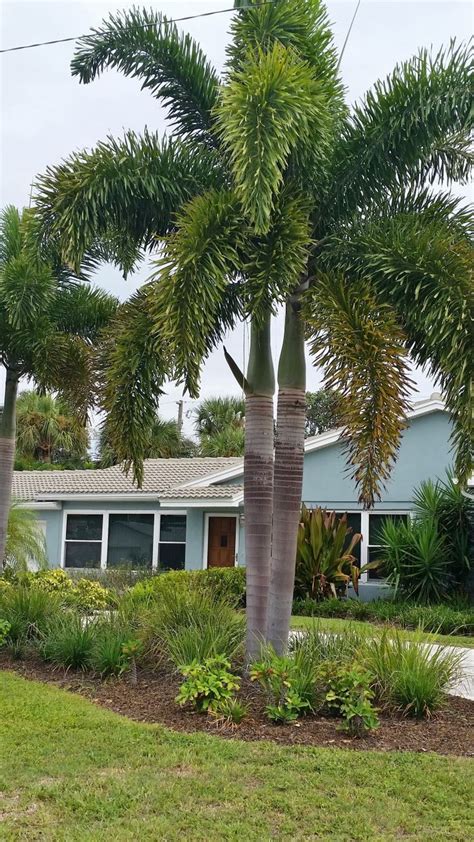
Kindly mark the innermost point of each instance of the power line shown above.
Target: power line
(145, 26)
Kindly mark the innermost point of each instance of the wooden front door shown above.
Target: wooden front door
(221, 542)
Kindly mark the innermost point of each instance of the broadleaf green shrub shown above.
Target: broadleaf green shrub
(223, 583)
(208, 683)
(348, 693)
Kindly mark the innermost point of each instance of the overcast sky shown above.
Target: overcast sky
(46, 113)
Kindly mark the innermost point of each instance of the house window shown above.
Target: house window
(172, 545)
(130, 541)
(374, 544)
(83, 541)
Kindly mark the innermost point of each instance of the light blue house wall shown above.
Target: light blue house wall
(424, 454)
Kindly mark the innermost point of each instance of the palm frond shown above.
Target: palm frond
(361, 349)
(191, 278)
(10, 234)
(131, 187)
(142, 44)
(279, 258)
(25, 539)
(271, 103)
(421, 265)
(134, 367)
(413, 127)
(84, 311)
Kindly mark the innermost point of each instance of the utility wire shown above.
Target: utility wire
(145, 26)
(347, 36)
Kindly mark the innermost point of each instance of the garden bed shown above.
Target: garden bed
(449, 731)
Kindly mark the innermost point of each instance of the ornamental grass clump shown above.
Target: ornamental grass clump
(192, 625)
(107, 655)
(410, 674)
(28, 611)
(68, 642)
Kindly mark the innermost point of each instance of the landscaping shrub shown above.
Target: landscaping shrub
(83, 594)
(192, 625)
(411, 675)
(229, 711)
(348, 693)
(28, 611)
(4, 630)
(315, 646)
(415, 559)
(207, 683)
(223, 583)
(278, 676)
(445, 503)
(451, 617)
(324, 561)
(68, 641)
(108, 655)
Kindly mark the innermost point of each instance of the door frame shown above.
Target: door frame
(208, 515)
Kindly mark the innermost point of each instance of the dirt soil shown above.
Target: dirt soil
(450, 731)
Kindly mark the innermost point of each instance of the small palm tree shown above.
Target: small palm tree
(213, 415)
(25, 544)
(47, 430)
(50, 323)
(230, 441)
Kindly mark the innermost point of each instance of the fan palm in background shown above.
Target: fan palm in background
(270, 191)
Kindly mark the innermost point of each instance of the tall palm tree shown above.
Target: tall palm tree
(271, 191)
(49, 324)
(47, 429)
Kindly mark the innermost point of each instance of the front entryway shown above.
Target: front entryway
(221, 547)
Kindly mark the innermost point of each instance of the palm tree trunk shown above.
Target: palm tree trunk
(258, 485)
(7, 455)
(288, 478)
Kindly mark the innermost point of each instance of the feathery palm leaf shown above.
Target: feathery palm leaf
(361, 349)
(411, 128)
(25, 539)
(133, 186)
(142, 44)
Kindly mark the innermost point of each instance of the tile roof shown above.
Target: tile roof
(162, 477)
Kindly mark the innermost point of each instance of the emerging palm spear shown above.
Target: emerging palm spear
(271, 192)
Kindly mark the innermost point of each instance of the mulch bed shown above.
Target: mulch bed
(450, 731)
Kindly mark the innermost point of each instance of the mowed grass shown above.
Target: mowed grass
(338, 624)
(72, 771)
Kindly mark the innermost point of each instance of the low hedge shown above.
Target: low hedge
(445, 618)
(226, 583)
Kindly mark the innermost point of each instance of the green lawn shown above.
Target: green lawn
(72, 771)
(337, 624)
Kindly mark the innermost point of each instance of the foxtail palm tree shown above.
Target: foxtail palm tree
(272, 192)
(49, 324)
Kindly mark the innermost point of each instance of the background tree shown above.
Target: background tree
(49, 324)
(48, 431)
(220, 425)
(323, 412)
(300, 202)
(165, 441)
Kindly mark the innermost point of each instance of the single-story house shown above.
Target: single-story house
(189, 513)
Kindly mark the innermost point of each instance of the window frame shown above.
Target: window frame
(105, 513)
(160, 542)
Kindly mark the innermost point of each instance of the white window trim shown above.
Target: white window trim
(208, 515)
(105, 513)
